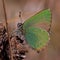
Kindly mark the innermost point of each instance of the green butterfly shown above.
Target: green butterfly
(37, 37)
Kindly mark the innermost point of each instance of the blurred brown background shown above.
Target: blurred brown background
(29, 8)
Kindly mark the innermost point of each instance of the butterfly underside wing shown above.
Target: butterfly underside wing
(35, 29)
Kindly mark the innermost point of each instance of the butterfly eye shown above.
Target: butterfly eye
(19, 25)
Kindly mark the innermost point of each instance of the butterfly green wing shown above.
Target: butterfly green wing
(37, 38)
(43, 16)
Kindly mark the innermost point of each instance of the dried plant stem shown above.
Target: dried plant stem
(11, 55)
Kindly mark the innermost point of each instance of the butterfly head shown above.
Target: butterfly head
(19, 26)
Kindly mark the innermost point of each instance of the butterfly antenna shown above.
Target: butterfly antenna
(20, 17)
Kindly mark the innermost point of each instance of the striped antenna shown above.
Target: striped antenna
(20, 17)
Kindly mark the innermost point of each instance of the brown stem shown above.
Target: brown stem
(7, 29)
